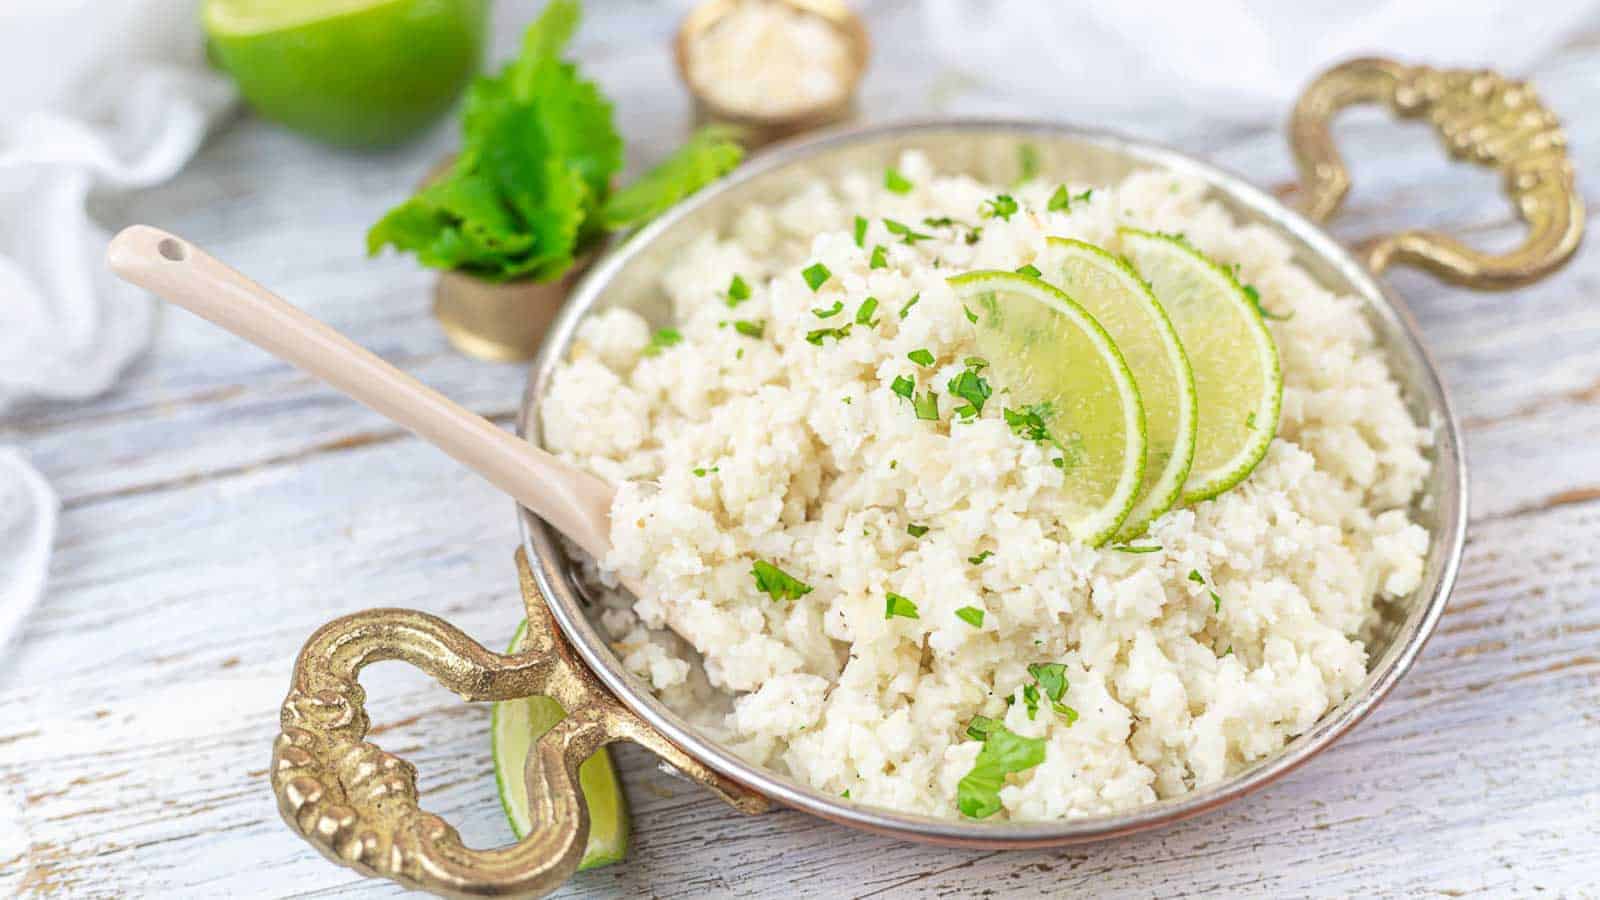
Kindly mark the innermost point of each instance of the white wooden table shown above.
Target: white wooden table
(218, 507)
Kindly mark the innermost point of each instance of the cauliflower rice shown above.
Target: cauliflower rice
(731, 447)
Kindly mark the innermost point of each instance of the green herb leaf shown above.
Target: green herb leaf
(896, 183)
(971, 316)
(980, 726)
(880, 258)
(1196, 577)
(971, 615)
(1001, 206)
(709, 154)
(904, 310)
(816, 337)
(749, 328)
(846, 794)
(896, 605)
(834, 310)
(921, 356)
(905, 232)
(903, 386)
(661, 340)
(1028, 422)
(1030, 270)
(523, 198)
(916, 530)
(1216, 602)
(738, 291)
(971, 387)
(1060, 201)
(865, 310)
(701, 473)
(978, 560)
(776, 583)
(1065, 712)
(1030, 699)
(861, 231)
(815, 275)
(926, 405)
(975, 363)
(1129, 548)
(1051, 678)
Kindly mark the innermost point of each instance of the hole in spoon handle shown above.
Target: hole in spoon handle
(172, 249)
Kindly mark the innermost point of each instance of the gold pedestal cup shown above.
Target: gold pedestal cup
(358, 804)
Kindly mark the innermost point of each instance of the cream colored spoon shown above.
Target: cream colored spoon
(573, 501)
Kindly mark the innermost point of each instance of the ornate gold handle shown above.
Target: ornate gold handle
(358, 804)
(1481, 117)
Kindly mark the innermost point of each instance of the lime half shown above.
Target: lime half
(514, 727)
(1235, 362)
(1122, 303)
(352, 72)
(1056, 361)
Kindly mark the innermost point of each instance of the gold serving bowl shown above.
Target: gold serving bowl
(358, 804)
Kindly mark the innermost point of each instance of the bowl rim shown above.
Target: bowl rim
(553, 579)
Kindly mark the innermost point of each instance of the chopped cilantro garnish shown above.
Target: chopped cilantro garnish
(865, 310)
(1030, 699)
(971, 615)
(1028, 161)
(971, 387)
(776, 583)
(894, 463)
(701, 473)
(1059, 462)
(1229, 651)
(1196, 577)
(880, 258)
(921, 356)
(895, 182)
(861, 231)
(903, 386)
(833, 310)
(846, 794)
(1001, 206)
(940, 222)
(846, 400)
(905, 232)
(739, 354)
(916, 530)
(904, 310)
(1028, 422)
(926, 405)
(1065, 712)
(1129, 548)
(974, 235)
(750, 328)
(978, 560)
(979, 727)
(738, 291)
(975, 363)
(1052, 678)
(816, 336)
(896, 605)
(661, 340)
(1216, 602)
(1061, 200)
(1030, 270)
(971, 316)
(816, 274)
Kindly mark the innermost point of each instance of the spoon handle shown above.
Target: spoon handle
(573, 501)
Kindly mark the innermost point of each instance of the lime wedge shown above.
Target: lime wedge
(352, 72)
(1121, 302)
(514, 726)
(1235, 363)
(1053, 356)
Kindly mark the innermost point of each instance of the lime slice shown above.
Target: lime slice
(1121, 302)
(514, 726)
(1235, 363)
(1045, 349)
(352, 72)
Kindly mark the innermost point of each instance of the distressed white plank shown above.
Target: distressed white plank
(220, 507)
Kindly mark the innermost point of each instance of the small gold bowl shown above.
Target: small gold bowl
(760, 128)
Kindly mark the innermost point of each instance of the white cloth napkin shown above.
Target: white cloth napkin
(97, 96)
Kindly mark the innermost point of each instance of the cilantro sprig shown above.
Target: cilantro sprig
(530, 192)
(776, 583)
